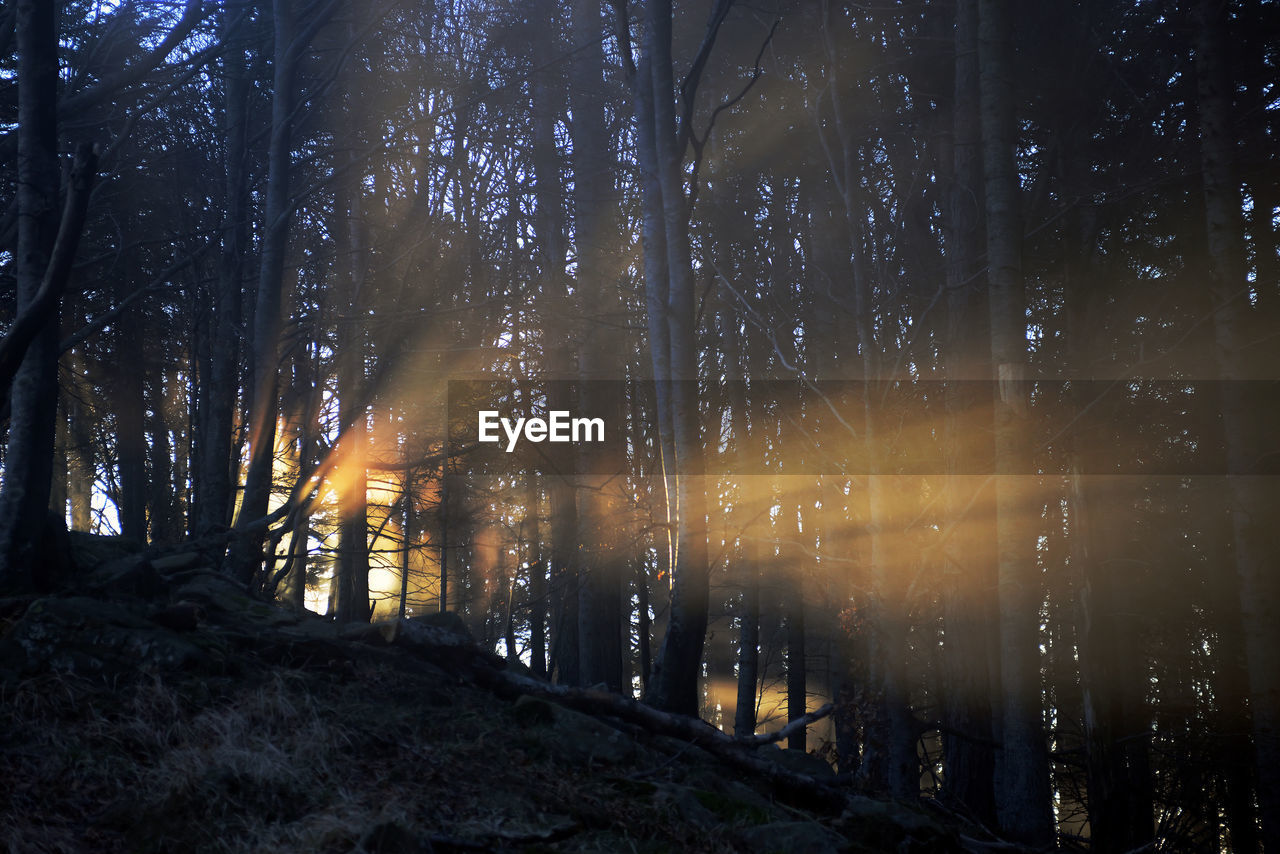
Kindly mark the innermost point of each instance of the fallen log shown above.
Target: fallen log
(739, 753)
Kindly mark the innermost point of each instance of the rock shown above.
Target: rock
(890, 826)
(220, 594)
(687, 752)
(388, 837)
(173, 563)
(799, 761)
(732, 800)
(216, 591)
(421, 636)
(180, 616)
(89, 637)
(574, 736)
(132, 575)
(370, 633)
(11, 607)
(687, 804)
(89, 551)
(59, 566)
(793, 837)
(449, 621)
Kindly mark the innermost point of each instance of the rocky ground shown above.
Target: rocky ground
(154, 707)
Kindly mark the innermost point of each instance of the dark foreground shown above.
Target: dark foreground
(159, 709)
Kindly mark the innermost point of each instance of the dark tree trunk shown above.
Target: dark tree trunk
(751, 519)
(131, 440)
(61, 461)
(351, 250)
(968, 575)
(162, 500)
(81, 467)
(1119, 786)
(600, 629)
(216, 468)
(1023, 796)
(797, 658)
(889, 761)
(446, 518)
(245, 558)
(565, 661)
(537, 578)
(28, 464)
(1253, 502)
(563, 559)
(675, 683)
(303, 410)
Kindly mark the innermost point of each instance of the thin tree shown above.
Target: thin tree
(1023, 794)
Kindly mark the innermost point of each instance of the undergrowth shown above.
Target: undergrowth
(296, 760)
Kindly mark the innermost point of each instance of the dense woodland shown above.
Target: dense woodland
(942, 335)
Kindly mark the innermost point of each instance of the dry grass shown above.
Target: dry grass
(295, 760)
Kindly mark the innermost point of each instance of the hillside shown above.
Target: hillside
(151, 706)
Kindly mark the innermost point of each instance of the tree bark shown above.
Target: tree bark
(24, 497)
(752, 516)
(797, 658)
(1253, 503)
(675, 685)
(82, 472)
(600, 615)
(245, 558)
(563, 559)
(131, 441)
(1023, 796)
(532, 525)
(968, 575)
(351, 250)
(216, 469)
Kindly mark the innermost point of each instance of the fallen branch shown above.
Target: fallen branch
(797, 725)
(828, 795)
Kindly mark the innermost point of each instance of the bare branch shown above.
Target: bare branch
(47, 299)
(191, 16)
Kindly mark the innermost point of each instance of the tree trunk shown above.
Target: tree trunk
(532, 525)
(675, 685)
(1253, 502)
(797, 658)
(1023, 797)
(162, 500)
(61, 467)
(82, 471)
(245, 558)
(889, 761)
(351, 250)
(1109, 641)
(216, 468)
(968, 576)
(28, 463)
(131, 440)
(600, 628)
(750, 519)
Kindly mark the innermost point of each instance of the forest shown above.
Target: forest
(933, 346)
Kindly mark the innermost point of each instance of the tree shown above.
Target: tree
(28, 468)
(1253, 503)
(1023, 793)
(670, 293)
(219, 375)
(595, 217)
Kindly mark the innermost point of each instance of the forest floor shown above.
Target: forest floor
(159, 709)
